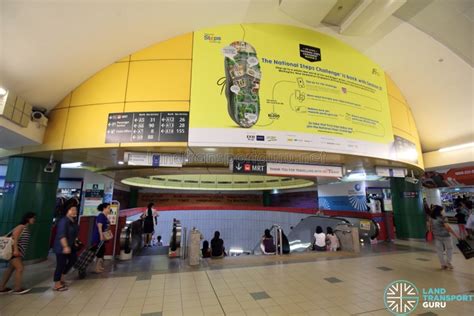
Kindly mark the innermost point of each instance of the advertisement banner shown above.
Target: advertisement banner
(275, 86)
(286, 169)
(93, 196)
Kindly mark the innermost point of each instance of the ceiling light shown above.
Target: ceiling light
(72, 165)
(457, 147)
(121, 162)
(349, 170)
(3, 91)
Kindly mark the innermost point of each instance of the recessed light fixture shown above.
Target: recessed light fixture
(457, 147)
(71, 165)
(3, 91)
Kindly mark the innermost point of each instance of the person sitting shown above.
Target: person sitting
(217, 246)
(159, 243)
(206, 251)
(268, 245)
(319, 239)
(332, 240)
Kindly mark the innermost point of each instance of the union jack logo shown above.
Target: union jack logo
(401, 297)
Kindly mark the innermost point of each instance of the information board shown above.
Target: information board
(139, 127)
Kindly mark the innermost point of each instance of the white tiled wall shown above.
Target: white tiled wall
(239, 229)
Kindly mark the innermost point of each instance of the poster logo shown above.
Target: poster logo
(401, 297)
(310, 53)
(212, 38)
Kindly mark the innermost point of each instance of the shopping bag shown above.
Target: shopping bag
(465, 249)
(429, 236)
(6, 248)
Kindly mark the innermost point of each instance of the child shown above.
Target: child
(206, 251)
(159, 243)
(332, 240)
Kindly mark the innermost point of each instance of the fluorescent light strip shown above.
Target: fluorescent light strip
(457, 147)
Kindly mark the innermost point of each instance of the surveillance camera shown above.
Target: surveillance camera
(50, 167)
(40, 118)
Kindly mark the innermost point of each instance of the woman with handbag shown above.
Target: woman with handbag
(21, 240)
(101, 234)
(65, 246)
(441, 231)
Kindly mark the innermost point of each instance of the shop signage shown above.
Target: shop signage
(247, 166)
(155, 160)
(140, 127)
(285, 169)
(391, 172)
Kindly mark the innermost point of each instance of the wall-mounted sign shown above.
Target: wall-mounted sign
(247, 166)
(410, 194)
(391, 172)
(140, 127)
(155, 160)
(316, 94)
(93, 196)
(286, 169)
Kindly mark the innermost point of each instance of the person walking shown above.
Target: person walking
(21, 240)
(65, 247)
(441, 232)
(101, 226)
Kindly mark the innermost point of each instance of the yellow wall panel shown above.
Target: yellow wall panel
(54, 134)
(159, 80)
(393, 90)
(64, 103)
(176, 48)
(157, 106)
(87, 125)
(107, 86)
(125, 59)
(399, 114)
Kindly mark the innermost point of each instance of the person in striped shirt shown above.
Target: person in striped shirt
(21, 240)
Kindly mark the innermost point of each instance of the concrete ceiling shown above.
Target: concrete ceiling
(49, 47)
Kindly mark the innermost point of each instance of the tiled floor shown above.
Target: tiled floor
(344, 285)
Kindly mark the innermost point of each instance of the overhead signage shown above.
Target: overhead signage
(316, 94)
(391, 172)
(154, 160)
(286, 169)
(247, 166)
(140, 127)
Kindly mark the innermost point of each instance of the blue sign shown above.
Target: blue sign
(155, 161)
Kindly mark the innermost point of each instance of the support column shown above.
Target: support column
(30, 190)
(409, 217)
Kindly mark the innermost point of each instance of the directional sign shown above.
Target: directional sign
(141, 127)
(247, 166)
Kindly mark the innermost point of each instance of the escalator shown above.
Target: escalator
(301, 236)
(277, 232)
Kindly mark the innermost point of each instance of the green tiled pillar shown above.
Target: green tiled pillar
(31, 190)
(408, 214)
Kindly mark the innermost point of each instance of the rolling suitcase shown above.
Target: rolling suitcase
(86, 257)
